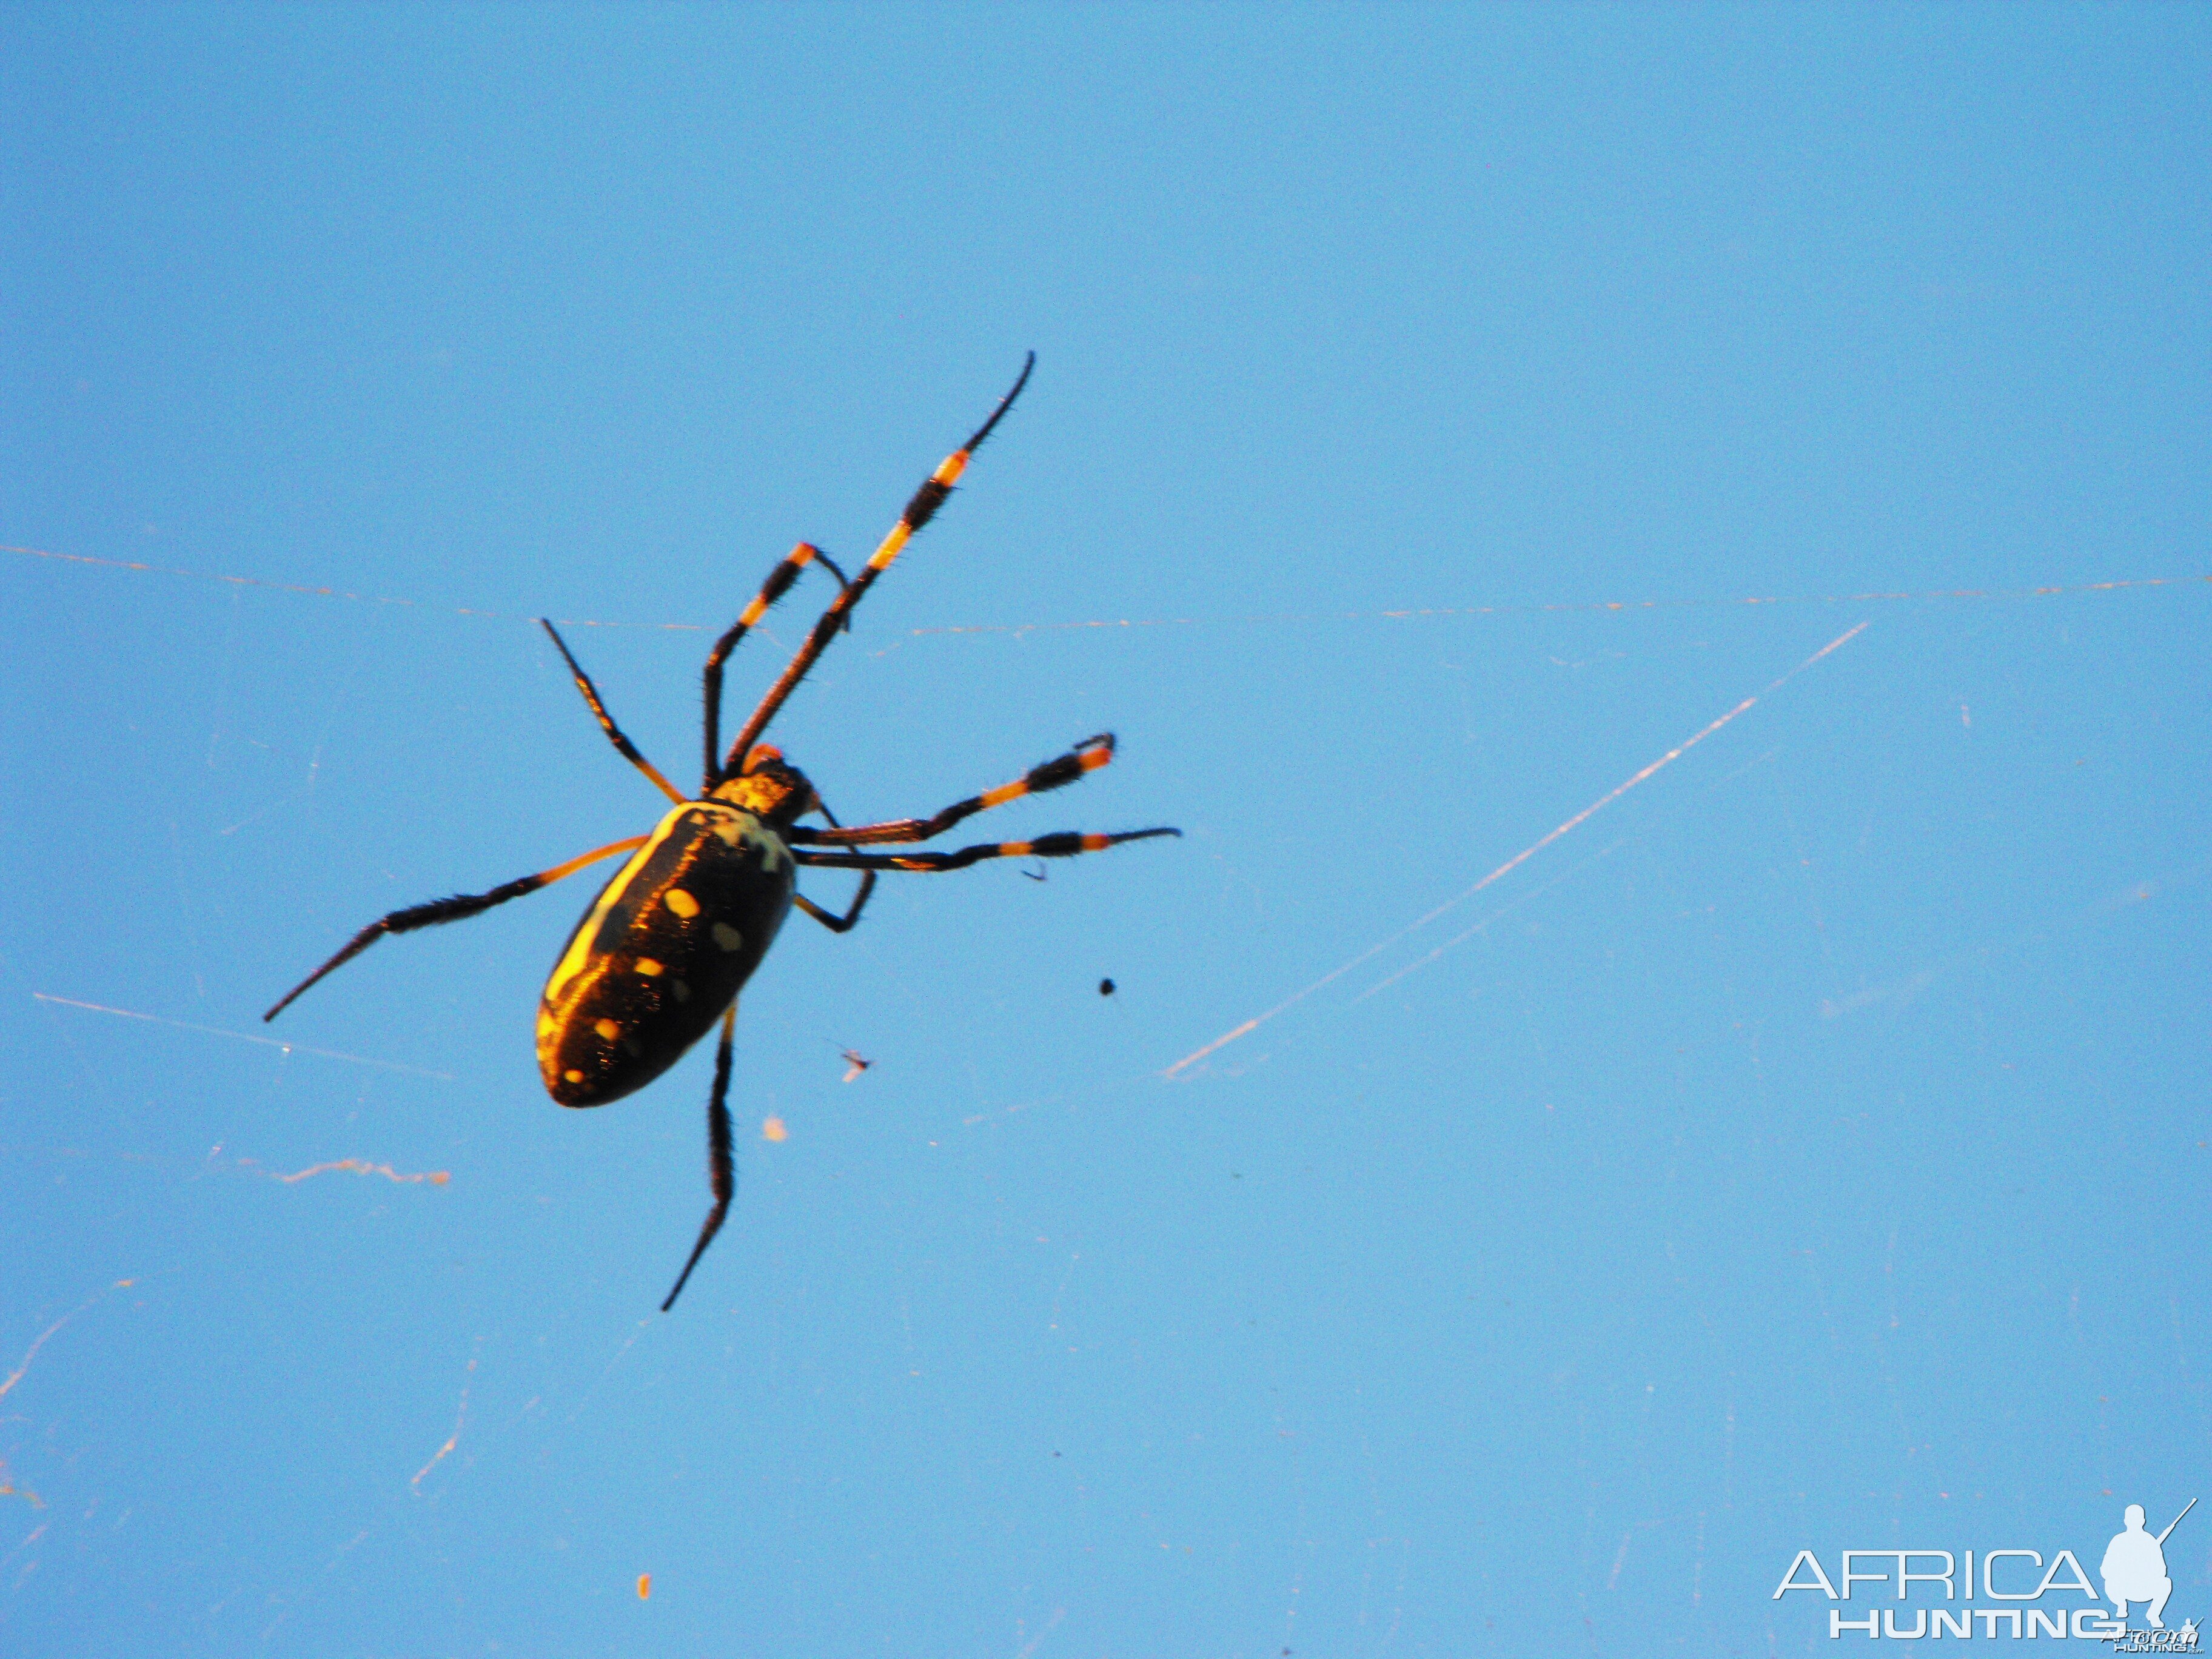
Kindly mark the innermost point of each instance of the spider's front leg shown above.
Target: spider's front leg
(777, 585)
(1065, 844)
(1057, 773)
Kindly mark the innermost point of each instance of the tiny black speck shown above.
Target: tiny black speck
(1105, 987)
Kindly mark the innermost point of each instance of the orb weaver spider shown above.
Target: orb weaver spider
(661, 954)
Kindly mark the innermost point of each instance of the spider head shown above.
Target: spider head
(777, 794)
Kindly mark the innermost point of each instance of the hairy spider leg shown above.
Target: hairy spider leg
(456, 909)
(1087, 756)
(779, 583)
(927, 499)
(628, 749)
(1066, 844)
(721, 1172)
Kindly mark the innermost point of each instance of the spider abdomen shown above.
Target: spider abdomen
(664, 949)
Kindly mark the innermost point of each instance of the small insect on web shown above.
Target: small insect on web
(661, 954)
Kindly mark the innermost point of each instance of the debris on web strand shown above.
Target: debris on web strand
(47, 1335)
(461, 1421)
(360, 1166)
(9, 1489)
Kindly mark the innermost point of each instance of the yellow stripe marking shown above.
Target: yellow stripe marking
(1007, 792)
(579, 947)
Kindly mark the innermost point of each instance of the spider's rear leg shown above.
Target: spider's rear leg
(722, 1166)
(460, 907)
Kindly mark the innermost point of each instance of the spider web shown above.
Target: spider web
(1683, 1135)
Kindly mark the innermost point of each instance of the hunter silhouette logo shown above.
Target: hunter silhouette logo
(2024, 1591)
(2135, 1567)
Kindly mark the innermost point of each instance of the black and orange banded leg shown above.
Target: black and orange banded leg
(1064, 845)
(779, 583)
(456, 908)
(1088, 755)
(628, 749)
(721, 1168)
(936, 490)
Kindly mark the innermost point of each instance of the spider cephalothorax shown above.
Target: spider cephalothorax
(777, 794)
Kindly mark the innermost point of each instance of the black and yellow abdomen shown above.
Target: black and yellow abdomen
(663, 950)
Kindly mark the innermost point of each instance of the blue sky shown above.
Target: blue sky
(1806, 1149)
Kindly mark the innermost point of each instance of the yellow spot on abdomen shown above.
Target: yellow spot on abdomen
(608, 1029)
(648, 967)
(681, 902)
(728, 936)
(572, 1077)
